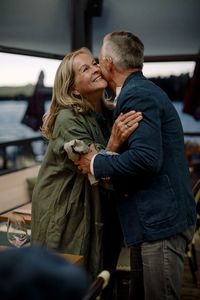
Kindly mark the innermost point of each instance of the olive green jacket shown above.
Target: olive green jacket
(66, 209)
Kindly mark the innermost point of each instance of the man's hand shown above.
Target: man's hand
(84, 162)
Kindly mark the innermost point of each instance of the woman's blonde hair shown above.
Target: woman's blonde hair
(63, 96)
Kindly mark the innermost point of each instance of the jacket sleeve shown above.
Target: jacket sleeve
(143, 152)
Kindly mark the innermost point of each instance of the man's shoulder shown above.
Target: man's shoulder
(134, 88)
(140, 87)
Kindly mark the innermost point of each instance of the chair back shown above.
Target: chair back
(97, 286)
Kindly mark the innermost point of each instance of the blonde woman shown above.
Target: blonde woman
(68, 213)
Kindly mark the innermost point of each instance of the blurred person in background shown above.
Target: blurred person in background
(37, 274)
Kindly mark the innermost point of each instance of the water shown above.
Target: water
(11, 128)
(12, 112)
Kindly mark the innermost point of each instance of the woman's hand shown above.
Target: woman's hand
(124, 125)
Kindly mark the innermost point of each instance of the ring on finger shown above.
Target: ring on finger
(128, 125)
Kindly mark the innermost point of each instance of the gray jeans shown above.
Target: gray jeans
(157, 268)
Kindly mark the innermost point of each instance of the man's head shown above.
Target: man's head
(123, 49)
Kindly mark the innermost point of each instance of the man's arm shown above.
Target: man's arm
(84, 163)
(144, 151)
(120, 132)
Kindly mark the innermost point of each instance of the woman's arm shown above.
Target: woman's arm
(123, 127)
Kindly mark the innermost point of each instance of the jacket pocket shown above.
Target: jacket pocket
(156, 202)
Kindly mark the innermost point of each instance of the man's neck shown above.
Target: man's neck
(117, 92)
(119, 78)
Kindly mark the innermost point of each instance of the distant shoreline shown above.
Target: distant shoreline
(174, 86)
(23, 93)
(16, 92)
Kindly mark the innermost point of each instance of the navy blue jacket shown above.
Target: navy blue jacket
(151, 174)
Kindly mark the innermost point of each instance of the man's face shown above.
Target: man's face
(104, 66)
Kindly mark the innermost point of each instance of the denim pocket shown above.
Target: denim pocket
(156, 201)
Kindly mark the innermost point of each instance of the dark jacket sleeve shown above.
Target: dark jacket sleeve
(143, 152)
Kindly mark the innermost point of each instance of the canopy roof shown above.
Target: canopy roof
(58, 26)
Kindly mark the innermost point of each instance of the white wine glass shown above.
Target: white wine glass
(16, 230)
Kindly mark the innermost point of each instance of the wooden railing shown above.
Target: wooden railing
(17, 142)
(27, 141)
(192, 134)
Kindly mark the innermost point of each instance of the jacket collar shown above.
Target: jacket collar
(135, 76)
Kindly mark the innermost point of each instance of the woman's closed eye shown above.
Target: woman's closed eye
(86, 67)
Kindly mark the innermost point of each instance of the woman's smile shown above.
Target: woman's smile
(88, 77)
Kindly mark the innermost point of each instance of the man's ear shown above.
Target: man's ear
(109, 63)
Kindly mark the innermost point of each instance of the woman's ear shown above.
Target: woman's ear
(75, 92)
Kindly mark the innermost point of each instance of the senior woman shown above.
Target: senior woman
(68, 213)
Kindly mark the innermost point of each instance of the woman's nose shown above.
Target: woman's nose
(96, 68)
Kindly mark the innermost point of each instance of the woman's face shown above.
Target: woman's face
(88, 78)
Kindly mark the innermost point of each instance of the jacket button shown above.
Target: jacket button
(126, 195)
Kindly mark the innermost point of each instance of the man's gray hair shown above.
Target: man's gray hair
(125, 49)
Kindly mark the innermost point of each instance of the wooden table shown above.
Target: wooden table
(24, 210)
(74, 259)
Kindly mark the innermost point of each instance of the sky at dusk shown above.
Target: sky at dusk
(16, 70)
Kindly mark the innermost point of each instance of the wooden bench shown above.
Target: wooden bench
(14, 190)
